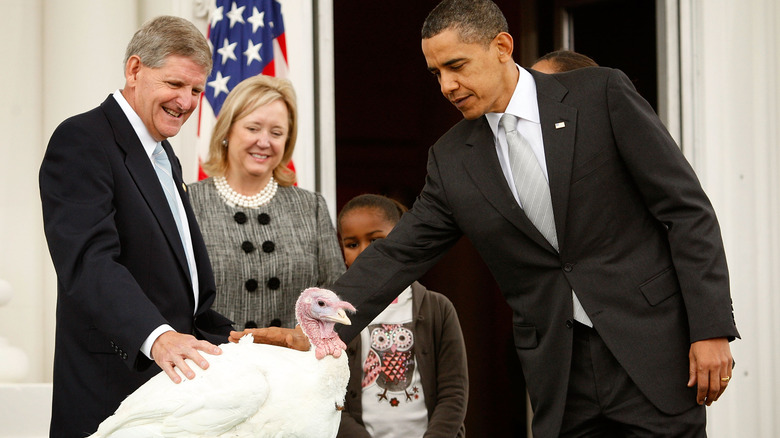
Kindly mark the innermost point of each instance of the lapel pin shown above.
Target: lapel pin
(560, 125)
(184, 186)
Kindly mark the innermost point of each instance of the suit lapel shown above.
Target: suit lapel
(559, 125)
(483, 167)
(141, 170)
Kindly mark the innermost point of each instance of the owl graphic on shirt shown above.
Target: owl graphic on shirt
(390, 361)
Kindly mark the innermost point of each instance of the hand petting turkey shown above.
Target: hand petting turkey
(251, 390)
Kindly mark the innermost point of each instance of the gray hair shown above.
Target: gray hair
(166, 35)
(475, 21)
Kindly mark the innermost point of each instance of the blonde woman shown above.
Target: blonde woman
(267, 239)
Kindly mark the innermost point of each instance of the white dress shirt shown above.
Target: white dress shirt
(525, 107)
(149, 144)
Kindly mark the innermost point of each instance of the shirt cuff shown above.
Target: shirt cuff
(146, 347)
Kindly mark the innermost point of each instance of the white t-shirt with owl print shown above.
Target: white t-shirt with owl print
(393, 399)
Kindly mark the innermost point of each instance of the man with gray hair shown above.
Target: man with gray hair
(134, 283)
(591, 220)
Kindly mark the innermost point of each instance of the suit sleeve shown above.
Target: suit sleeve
(389, 265)
(675, 197)
(77, 187)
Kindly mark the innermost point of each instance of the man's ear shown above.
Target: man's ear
(132, 67)
(504, 44)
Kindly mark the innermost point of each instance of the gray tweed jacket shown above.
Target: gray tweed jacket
(263, 258)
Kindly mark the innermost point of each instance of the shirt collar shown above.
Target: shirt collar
(523, 103)
(404, 296)
(140, 129)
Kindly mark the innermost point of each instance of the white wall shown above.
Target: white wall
(731, 81)
(21, 243)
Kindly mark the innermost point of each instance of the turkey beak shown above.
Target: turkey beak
(340, 317)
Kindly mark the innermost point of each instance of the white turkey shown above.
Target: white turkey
(250, 390)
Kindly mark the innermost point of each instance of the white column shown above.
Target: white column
(83, 54)
(668, 44)
(326, 104)
(299, 32)
(733, 81)
(21, 237)
(15, 365)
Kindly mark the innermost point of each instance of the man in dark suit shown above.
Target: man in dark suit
(134, 283)
(622, 310)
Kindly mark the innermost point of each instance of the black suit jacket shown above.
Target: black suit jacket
(639, 241)
(121, 267)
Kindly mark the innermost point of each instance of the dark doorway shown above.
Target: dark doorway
(615, 33)
(389, 111)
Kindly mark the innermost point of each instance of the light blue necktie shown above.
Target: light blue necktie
(163, 168)
(534, 193)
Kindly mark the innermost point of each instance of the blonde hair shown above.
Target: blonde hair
(247, 96)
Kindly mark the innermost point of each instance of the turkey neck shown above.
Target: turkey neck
(320, 333)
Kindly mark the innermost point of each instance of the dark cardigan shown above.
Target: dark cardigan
(440, 354)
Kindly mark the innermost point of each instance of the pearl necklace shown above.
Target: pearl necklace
(233, 198)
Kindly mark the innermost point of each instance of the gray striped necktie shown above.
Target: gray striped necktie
(534, 193)
(532, 187)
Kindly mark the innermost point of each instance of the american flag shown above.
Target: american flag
(247, 39)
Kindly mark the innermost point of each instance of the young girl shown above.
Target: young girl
(408, 373)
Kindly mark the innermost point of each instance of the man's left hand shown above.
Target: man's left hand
(283, 337)
(710, 368)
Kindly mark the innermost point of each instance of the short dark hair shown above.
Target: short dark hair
(567, 60)
(390, 208)
(475, 21)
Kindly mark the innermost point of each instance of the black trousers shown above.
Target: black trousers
(603, 401)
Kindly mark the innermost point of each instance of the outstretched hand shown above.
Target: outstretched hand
(170, 349)
(282, 337)
(710, 368)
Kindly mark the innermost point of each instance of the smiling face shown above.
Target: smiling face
(165, 97)
(477, 79)
(256, 144)
(359, 227)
